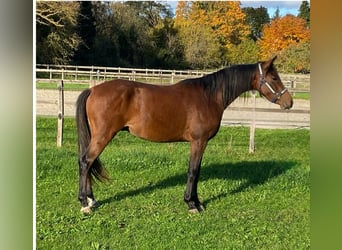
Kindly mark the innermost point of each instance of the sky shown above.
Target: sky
(285, 7)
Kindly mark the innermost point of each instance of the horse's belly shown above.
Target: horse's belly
(158, 128)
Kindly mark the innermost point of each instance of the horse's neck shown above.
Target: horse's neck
(228, 98)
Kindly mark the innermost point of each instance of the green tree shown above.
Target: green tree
(164, 49)
(86, 30)
(201, 47)
(56, 39)
(135, 34)
(246, 52)
(152, 12)
(106, 49)
(168, 50)
(304, 12)
(122, 36)
(256, 18)
(276, 14)
(295, 59)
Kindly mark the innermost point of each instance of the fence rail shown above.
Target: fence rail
(92, 75)
(86, 74)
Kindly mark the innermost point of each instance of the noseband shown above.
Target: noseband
(276, 95)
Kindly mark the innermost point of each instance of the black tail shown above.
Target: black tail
(97, 170)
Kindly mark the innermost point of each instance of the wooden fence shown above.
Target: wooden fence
(239, 120)
(92, 75)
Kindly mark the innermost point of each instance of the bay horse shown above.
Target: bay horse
(190, 110)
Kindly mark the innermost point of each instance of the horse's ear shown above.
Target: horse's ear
(266, 65)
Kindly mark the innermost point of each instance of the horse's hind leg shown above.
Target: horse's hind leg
(90, 196)
(85, 189)
(84, 165)
(86, 162)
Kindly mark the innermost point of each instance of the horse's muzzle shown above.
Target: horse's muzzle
(286, 104)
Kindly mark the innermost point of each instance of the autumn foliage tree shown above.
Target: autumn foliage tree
(282, 33)
(223, 27)
(201, 35)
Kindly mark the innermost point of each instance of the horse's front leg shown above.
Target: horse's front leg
(191, 196)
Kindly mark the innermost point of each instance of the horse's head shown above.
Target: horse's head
(270, 85)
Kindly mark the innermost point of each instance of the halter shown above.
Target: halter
(276, 95)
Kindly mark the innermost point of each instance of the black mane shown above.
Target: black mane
(232, 81)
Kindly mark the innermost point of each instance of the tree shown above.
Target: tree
(228, 22)
(56, 39)
(201, 47)
(282, 33)
(276, 14)
(246, 52)
(183, 10)
(256, 18)
(167, 48)
(163, 48)
(304, 12)
(151, 12)
(135, 34)
(86, 30)
(295, 59)
(222, 22)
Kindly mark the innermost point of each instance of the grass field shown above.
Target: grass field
(253, 201)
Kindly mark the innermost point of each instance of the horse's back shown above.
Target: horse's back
(152, 112)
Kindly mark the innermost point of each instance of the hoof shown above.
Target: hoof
(86, 210)
(91, 202)
(193, 211)
(201, 208)
(195, 206)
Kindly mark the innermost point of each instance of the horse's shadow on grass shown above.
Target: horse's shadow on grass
(252, 173)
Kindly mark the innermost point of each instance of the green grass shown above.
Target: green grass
(253, 201)
(67, 86)
(299, 95)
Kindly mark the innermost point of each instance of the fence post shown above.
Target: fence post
(60, 120)
(172, 76)
(62, 74)
(252, 126)
(98, 75)
(50, 76)
(91, 77)
(293, 86)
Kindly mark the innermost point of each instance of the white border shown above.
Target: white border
(34, 233)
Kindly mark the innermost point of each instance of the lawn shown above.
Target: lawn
(253, 201)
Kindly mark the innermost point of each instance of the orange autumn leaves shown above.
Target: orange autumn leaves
(225, 18)
(224, 23)
(282, 33)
